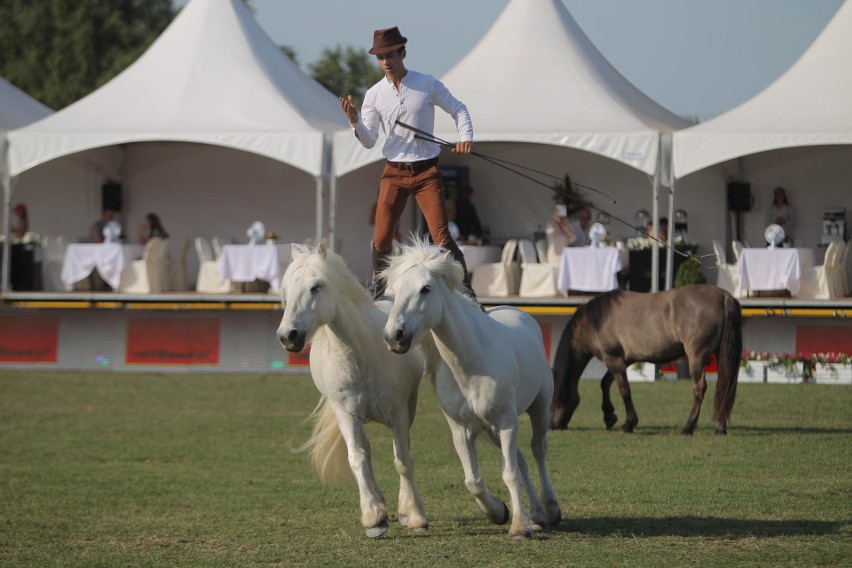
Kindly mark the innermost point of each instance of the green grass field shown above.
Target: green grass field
(133, 470)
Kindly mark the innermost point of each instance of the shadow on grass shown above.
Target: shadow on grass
(732, 430)
(699, 527)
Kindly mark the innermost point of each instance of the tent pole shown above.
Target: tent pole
(655, 246)
(7, 228)
(332, 213)
(669, 251)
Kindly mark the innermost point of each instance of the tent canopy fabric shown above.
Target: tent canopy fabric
(567, 94)
(809, 105)
(213, 77)
(17, 108)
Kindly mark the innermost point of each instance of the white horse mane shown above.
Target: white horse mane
(435, 259)
(329, 266)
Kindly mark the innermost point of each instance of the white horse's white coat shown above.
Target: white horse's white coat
(496, 368)
(360, 381)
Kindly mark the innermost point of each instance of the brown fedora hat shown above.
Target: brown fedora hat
(387, 40)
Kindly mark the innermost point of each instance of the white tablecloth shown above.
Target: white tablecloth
(589, 269)
(247, 263)
(772, 268)
(108, 258)
(477, 255)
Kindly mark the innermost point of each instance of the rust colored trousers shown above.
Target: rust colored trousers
(396, 186)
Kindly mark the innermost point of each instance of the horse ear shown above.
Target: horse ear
(321, 250)
(296, 250)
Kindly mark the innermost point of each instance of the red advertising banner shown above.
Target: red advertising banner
(28, 339)
(546, 330)
(173, 341)
(823, 339)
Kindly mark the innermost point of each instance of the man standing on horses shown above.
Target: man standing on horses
(412, 163)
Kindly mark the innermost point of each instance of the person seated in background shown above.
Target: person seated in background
(151, 227)
(580, 226)
(463, 213)
(20, 221)
(563, 233)
(662, 230)
(96, 231)
(780, 212)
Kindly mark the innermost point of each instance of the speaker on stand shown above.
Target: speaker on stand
(740, 199)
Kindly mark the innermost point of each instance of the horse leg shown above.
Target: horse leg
(699, 387)
(410, 508)
(566, 394)
(610, 417)
(538, 445)
(494, 508)
(374, 516)
(521, 527)
(617, 368)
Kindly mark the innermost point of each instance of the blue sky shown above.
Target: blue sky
(694, 57)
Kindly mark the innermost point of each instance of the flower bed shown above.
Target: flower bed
(820, 368)
(832, 368)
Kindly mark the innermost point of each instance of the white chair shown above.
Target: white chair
(737, 247)
(824, 281)
(142, 276)
(846, 270)
(178, 268)
(53, 255)
(537, 279)
(208, 281)
(164, 268)
(727, 277)
(498, 279)
(217, 243)
(541, 249)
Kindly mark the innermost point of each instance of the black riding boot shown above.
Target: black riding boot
(459, 256)
(378, 284)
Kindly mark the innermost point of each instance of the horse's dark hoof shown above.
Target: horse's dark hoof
(378, 530)
(610, 420)
(686, 432)
(626, 429)
(721, 432)
(506, 516)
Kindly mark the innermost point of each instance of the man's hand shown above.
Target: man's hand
(350, 109)
(463, 148)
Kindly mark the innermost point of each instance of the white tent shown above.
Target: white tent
(168, 125)
(17, 109)
(212, 77)
(796, 133)
(809, 105)
(533, 84)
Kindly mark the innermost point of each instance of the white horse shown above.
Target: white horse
(496, 368)
(360, 381)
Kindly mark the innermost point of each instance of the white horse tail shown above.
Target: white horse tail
(329, 455)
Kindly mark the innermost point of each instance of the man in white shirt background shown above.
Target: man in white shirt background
(412, 163)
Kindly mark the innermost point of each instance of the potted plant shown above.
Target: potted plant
(832, 368)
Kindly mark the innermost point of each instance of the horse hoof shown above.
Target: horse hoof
(526, 535)
(686, 432)
(378, 530)
(420, 531)
(610, 421)
(501, 520)
(403, 520)
(626, 429)
(536, 527)
(720, 432)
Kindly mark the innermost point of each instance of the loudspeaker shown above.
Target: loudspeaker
(739, 196)
(111, 196)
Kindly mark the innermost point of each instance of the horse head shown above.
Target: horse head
(422, 279)
(310, 289)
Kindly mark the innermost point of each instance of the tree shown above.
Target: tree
(58, 51)
(346, 71)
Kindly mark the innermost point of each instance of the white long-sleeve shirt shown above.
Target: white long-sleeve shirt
(414, 104)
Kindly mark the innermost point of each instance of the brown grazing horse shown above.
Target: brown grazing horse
(621, 328)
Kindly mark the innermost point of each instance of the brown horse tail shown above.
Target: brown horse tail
(730, 351)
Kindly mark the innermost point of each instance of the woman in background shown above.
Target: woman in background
(151, 227)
